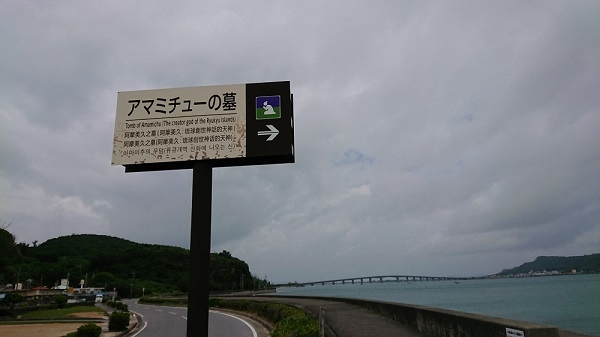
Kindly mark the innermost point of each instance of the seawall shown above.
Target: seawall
(449, 323)
(437, 322)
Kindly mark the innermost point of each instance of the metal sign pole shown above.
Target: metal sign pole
(197, 321)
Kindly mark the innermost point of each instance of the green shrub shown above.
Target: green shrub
(122, 306)
(87, 330)
(60, 300)
(118, 321)
(296, 326)
(118, 305)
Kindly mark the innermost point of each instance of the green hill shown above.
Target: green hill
(585, 264)
(111, 262)
(86, 246)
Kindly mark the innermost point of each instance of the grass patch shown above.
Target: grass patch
(60, 313)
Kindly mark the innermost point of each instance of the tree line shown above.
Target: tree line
(110, 262)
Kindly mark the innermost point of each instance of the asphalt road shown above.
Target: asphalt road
(160, 321)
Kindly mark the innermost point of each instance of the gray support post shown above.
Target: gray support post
(321, 322)
(197, 322)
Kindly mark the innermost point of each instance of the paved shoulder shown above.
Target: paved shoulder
(346, 320)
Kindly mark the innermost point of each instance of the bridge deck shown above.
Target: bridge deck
(378, 278)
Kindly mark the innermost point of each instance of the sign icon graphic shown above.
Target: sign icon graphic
(268, 107)
(272, 133)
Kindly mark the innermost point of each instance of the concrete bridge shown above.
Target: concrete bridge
(377, 279)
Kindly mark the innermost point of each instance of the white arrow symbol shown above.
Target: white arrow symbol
(272, 133)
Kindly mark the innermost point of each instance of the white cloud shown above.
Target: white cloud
(72, 206)
(41, 213)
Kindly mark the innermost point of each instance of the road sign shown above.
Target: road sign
(201, 128)
(227, 125)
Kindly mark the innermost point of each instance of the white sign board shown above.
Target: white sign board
(514, 333)
(168, 125)
(229, 125)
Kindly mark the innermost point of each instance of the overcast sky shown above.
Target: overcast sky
(432, 138)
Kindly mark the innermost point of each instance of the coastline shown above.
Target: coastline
(566, 302)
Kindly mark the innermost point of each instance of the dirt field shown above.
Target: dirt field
(47, 330)
(38, 330)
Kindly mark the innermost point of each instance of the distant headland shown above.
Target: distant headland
(556, 265)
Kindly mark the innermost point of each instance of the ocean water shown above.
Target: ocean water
(570, 302)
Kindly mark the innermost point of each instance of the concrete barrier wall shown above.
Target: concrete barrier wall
(448, 323)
